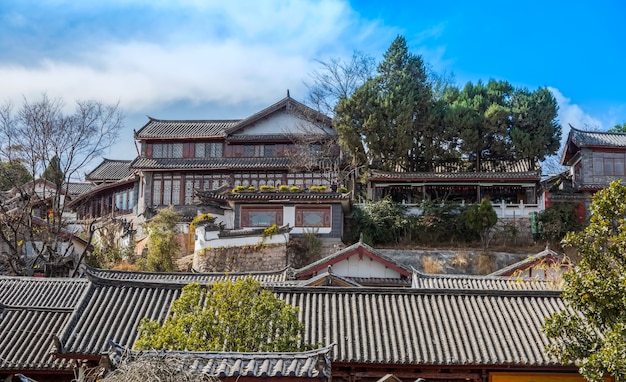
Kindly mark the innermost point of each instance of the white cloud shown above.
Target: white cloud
(237, 52)
(572, 114)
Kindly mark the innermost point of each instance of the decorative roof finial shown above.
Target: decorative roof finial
(288, 94)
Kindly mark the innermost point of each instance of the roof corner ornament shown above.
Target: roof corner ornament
(288, 94)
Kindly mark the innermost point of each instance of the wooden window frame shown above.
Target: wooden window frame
(244, 212)
(326, 216)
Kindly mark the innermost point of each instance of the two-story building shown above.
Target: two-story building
(595, 158)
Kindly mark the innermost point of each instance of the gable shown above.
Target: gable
(283, 123)
(363, 266)
(357, 261)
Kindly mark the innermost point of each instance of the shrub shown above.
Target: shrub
(557, 220)
(283, 188)
(314, 188)
(238, 189)
(266, 187)
(294, 189)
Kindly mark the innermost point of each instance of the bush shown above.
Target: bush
(382, 222)
(557, 220)
(283, 188)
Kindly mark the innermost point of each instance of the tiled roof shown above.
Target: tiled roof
(460, 176)
(78, 188)
(101, 187)
(486, 283)
(522, 169)
(434, 327)
(597, 138)
(268, 277)
(164, 129)
(210, 163)
(110, 170)
(368, 325)
(309, 364)
(527, 262)
(34, 310)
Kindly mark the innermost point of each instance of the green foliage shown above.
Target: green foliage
(381, 222)
(392, 113)
(481, 218)
(557, 220)
(162, 243)
(441, 222)
(535, 131)
(13, 174)
(53, 172)
(406, 118)
(228, 316)
(618, 128)
(591, 330)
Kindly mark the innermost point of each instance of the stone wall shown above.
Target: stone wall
(242, 259)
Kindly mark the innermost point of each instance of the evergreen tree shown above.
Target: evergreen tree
(53, 172)
(390, 117)
(535, 132)
(479, 115)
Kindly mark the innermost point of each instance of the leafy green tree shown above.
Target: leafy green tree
(389, 118)
(53, 172)
(162, 242)
(480, 116)
(591, 330)
(618, 128)
(481, 218)
(13, 174)
(228, 316)
(535, 132)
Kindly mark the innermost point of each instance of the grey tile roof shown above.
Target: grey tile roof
(110, 170)
(522, 169)
(486, 283)
(268, 277)
(396, 326)
(225, 164)
(434, 327)
(164, 129)
(309, 364)
(455, 176)
(34, 310)
(597, 138)
(530, 260)
(78, 188)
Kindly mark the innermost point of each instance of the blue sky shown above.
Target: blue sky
(196, 59)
